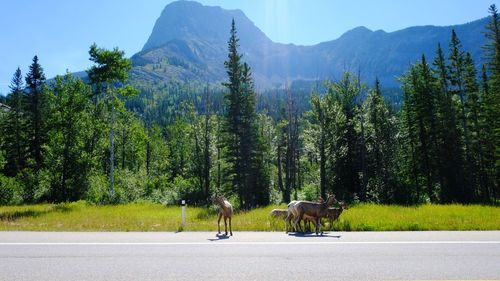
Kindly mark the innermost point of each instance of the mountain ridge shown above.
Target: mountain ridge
(189, 41)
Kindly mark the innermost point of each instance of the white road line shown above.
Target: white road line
(235, 243)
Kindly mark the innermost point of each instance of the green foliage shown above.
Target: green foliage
(14, 129)
(130, 186)
(107, 77)
(111, 66)
(310, 192)
(10, 191)
(241, 138)
(69, 120)
(379, 135)
(341, 117)
(492, 100)
(164, 141)
(97, 192)
(36, 113)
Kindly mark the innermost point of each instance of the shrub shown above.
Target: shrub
(98, 188)
(310, 192)
(130, 186)
(10, 191)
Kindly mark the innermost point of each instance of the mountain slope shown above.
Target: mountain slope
(189, 42)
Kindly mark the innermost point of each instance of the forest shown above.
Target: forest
(110, 139)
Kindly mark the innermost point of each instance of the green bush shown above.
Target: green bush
(310, 192)
(98, 189)
(10, 191)
(129, 185)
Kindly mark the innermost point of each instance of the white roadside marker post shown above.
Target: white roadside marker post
(183, 217)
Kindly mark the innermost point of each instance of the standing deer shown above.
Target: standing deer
(226, 210)
(313, 210)
(333, 214)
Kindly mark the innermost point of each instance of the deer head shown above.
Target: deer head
(331, 199)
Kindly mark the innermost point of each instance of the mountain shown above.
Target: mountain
(189, 42)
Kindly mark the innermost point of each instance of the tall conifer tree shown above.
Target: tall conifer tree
(35, 82)
(14, 128)
(241, 133)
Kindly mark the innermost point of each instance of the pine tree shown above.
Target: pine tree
(341, 153)
(318, 109)
(450, 155)
(35, 83)
(380, 146)
(14, 128)
(474, 108)
(486, 143)
(491, 99)
(288, 148)
(457, 73)
(241, 132)
(421, 91)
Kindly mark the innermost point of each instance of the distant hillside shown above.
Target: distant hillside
(189, 42)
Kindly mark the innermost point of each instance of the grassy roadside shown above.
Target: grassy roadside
(81, 216)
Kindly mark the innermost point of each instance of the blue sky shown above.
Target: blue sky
(61, 31)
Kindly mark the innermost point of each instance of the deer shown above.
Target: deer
(333, 214)
(294, 213)
(225, 210)
(279, 213)
(313, 210)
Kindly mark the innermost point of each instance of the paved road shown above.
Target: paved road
(250, 256)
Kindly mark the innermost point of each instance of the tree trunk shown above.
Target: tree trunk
(112, 152)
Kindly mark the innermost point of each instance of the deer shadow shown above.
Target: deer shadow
(219, 237)
(311, 235)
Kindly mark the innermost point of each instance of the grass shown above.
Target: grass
(80, 216)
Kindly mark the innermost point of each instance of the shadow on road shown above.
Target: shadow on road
(219, 237)
(308, 235)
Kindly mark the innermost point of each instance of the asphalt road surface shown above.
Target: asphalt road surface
(250, 256)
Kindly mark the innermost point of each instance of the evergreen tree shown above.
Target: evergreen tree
(241, 132)
(342, 169)
(457, 73)
(288, 149)
(319, 111)
(14, 128)
(473, 105)
(420, 96)
(380, 146)
(35, 96)
(491, 99)
(450, 152)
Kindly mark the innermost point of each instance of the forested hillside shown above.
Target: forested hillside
(100, 140)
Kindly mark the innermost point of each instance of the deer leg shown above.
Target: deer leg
(225, 224)
(218, 223)
(287, 220)
(230, 227)
(297, 222)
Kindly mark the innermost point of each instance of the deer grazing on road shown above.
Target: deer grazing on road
(226, 210)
